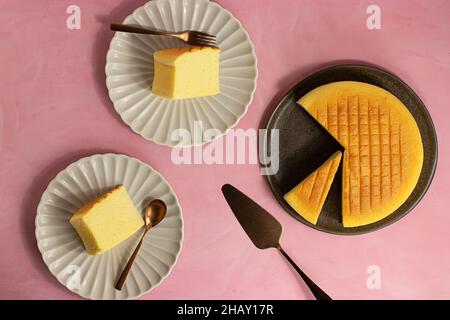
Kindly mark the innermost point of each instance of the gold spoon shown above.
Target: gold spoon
(154, 213)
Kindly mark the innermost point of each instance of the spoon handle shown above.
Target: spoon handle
(316, 291)
(127, 268)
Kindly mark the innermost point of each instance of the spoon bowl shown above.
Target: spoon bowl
(154, 213)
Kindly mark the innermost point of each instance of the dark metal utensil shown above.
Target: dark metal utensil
(154, 213)
(192, 37)
(263, 229)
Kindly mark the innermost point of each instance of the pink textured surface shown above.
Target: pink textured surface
(54, 109)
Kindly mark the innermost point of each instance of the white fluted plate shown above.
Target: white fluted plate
(94, 277)
(129, 72)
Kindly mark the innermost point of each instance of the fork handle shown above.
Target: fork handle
(318, 293)
(134, 29)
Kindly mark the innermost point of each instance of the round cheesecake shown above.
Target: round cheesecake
(383, 148)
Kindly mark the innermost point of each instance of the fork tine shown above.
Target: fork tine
(207, 42)
(206, 38)
(203, 43)
(205, 34)
(201, 40)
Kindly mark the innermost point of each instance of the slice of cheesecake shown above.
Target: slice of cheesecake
(106, 221)
(308, 197)
(189, 72)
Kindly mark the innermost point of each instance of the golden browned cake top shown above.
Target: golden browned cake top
(383, 147)
(308, 197)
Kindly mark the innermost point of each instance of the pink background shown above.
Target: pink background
(54, 109)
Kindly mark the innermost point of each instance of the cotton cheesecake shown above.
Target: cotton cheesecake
(188, 72)
(106, 221)
(308, 197)
(383, 147)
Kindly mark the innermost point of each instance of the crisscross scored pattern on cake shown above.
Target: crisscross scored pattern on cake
(308, 197)
(383, 148)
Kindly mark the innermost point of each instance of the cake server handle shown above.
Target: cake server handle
(316, 291)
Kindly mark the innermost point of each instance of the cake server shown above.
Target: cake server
(264, 230)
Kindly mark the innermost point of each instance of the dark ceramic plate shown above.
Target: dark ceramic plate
(304, 144)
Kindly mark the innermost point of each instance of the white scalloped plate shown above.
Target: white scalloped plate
(94, 277)
(129, 71)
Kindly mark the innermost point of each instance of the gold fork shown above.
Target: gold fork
(193, 38)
